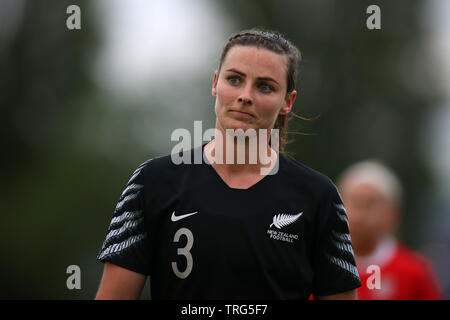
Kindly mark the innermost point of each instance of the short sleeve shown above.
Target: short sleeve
(334, 261)
(126, 243)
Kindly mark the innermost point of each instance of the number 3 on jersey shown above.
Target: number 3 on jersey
(184, 252)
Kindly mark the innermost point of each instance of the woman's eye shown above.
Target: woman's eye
(233, 80)
(265, 87)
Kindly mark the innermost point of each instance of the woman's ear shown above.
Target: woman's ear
(214, 87)
(288, 102)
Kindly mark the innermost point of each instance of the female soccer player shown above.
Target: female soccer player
(221, 230)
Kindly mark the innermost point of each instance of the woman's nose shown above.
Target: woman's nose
(245, 100)
(246, 96)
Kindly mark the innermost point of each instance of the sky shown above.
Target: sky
(149, 40)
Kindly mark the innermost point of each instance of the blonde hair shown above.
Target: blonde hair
(376, 174)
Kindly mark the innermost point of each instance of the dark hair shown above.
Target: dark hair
(276, 42)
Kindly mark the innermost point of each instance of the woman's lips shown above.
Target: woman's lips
(240, 114)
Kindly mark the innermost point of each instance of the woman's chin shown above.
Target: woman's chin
(234, 124)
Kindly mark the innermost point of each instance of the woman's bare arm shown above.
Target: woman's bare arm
(120, 284)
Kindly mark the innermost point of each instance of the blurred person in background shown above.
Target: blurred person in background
(372, 195)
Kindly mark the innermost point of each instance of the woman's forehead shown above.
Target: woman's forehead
(260, 62)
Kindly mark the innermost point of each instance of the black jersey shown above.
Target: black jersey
(285, 237)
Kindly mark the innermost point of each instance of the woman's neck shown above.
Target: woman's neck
(241, 158)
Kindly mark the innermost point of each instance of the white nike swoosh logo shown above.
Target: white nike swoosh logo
(176, 218)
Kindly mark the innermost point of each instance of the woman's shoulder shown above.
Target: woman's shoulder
(304, 174)
(168, 165)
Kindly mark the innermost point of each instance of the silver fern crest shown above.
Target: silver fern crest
(283, 220)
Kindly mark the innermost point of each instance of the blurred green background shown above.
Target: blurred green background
(81, 109)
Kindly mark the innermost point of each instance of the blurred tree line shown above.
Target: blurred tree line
(66, 154)
(59, 187)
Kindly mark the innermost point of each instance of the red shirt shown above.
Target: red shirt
(403, 275)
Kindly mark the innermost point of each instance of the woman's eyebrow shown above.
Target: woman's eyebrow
(259, 78)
